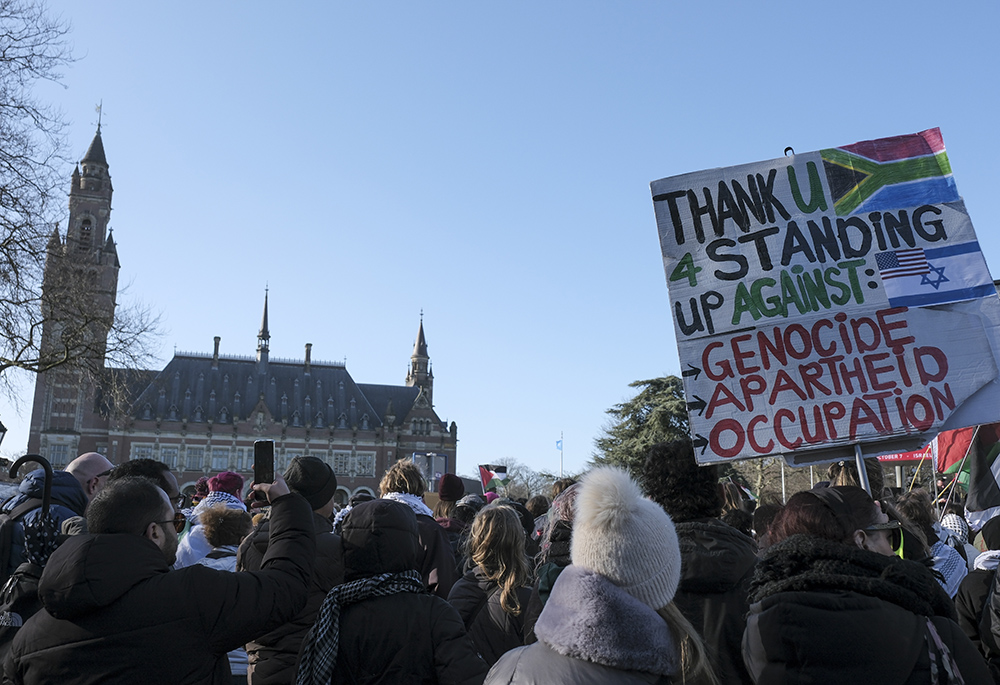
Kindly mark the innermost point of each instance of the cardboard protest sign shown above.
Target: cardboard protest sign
(828, 299)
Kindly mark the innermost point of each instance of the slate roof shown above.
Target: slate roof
(189, 387)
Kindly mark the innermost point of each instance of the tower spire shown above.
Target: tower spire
(264, 336)
(419, 372)
(420, 347)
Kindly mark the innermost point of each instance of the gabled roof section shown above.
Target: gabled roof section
(95, 153)
(190, 388)
(401, 396)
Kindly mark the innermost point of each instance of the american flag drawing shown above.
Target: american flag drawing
(898, 263)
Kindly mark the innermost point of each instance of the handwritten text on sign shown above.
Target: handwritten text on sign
(799, 290)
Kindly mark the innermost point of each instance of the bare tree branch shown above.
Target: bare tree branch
(83, 331)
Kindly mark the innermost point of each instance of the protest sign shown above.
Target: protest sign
(829, 299)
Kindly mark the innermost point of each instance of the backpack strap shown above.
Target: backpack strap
(24, 507)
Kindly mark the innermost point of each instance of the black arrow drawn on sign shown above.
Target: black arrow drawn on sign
(700, 441)
(693, 371)
(698, 406)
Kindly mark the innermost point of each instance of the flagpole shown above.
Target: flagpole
(975, 434)
(862, 471)
(560, 454)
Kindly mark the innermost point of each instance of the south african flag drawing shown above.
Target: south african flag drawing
(890, 173)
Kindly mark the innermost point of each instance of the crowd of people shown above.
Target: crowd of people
(671, 576)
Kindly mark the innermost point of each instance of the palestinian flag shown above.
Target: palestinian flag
(492, 477)
(980, 475)
(950, 448)
(889, 173)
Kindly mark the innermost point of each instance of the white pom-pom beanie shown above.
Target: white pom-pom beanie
(625, 537)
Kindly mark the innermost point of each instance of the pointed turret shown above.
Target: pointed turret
(419, 372)
(89, 203)
(264, 335)
(111, 250)
(95, 153)
(55, 242)
(420, 347)
(263, 339)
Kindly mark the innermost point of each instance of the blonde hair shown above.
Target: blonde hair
(403, 476)
(496, 545)
(695, 666)
(443, 509)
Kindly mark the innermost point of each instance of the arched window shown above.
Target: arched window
(86, 235)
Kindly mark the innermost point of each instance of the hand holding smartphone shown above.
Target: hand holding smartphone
(263, 465)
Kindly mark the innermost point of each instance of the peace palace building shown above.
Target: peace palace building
(202, 412)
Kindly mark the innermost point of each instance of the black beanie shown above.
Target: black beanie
(312, 478)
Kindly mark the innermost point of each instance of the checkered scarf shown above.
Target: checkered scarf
(319, 649)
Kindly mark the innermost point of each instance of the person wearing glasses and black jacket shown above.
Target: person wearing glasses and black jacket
(116, 613)
(833, 602)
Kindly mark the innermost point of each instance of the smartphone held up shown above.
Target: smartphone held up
(263, 464)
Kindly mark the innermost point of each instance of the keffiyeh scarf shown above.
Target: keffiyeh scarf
(319, 649)
(412, 501)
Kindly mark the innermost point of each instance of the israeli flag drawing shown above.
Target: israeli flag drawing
(939, 275)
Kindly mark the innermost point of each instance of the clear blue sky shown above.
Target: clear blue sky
(488, 163)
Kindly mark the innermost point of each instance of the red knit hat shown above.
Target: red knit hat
(451, 488)
(227, 481)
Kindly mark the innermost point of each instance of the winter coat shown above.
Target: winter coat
(827, 612)
(68, 500)
(493, 630)
(717, 563)
(116, 613)
(989, 627)
(273, 656)
(400, 638)
(457, 533)
(592, 631)
(554, 558)
(194, 545)
(970, 602)
(437, 560)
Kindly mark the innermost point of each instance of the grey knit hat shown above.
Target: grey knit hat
(625, 537)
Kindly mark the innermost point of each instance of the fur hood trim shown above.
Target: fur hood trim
(590, 618)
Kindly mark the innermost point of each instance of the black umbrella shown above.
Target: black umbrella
(41, 533)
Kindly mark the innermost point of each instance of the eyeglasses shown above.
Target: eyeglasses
(106, 473)
(895, 529)
(179, 520)
(177, 501)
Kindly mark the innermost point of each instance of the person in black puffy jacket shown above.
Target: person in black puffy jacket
(116, 613)
(273, 656)
(381, 625)
(832, 603)
(404, 483)
(491, 597)
(718, 559)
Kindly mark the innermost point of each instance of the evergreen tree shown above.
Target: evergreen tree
(656, 414)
